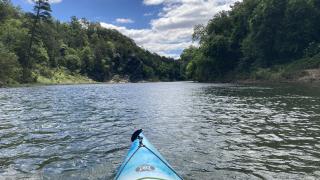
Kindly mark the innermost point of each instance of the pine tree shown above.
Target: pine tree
(42, 12)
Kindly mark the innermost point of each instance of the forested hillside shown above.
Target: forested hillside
(34, 47)
(257, 39)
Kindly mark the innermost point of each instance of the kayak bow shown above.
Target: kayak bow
(144, 162)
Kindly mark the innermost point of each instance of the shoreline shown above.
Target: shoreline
(239, 82)
(77, 83)
(45, 84)
(309, 76)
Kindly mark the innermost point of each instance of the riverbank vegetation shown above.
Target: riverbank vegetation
(36, 48)
(257, 40)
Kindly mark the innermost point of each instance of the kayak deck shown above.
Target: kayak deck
(144, 162)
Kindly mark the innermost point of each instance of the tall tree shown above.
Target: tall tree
(42, 12)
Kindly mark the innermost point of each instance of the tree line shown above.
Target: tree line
(254, 34)
(35, 44)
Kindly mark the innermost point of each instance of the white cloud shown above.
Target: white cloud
(153, 2)
(124, 20)
(50, 1)
(171, 32)
(148, 14)
(161, 42)
(55, 1)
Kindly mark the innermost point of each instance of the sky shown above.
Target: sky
(161, 26)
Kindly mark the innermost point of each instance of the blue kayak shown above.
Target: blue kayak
(144, 162)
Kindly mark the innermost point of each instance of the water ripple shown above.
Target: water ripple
(205, 131)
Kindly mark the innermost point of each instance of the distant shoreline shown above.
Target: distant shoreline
(301, 76)
(83, 83)
(310, 76)
(239, 82)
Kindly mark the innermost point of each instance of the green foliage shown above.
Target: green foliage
(41, 14)
(10, 67)
(40, 55)
(87, 59)
(13, 35)
(254, 36)
(148, 73)
(41, 45)
(287, 72)
(72, 62)
(187, 60)
(62, 76)
(190, 70)
(7, 10)
(312, 50)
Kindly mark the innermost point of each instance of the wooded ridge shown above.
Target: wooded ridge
(258, 40)
(36, 48)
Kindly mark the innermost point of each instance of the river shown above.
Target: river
(205, 131)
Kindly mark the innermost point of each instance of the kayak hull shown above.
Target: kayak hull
(144, 162)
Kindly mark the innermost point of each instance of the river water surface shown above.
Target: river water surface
(205, 131)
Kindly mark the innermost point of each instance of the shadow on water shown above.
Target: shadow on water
(206, 131)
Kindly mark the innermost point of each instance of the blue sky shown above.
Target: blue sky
(101, 10)
(161, 26)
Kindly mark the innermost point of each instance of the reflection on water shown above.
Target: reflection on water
(206, 131)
